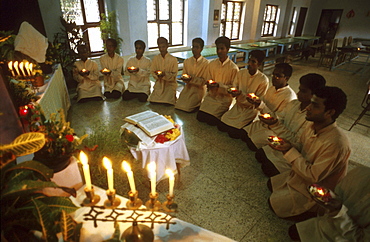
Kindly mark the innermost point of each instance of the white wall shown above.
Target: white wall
(50, 12)
(358, 26)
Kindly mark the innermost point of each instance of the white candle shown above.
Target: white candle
(130, 175)
(27, 68)
(86, 170)
(171, 179)
(153, 180)
(10, 65)
(108, 165)
(16, 68)
(31, 67)
(21, 66)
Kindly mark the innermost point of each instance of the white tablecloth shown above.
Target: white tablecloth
(55, 95)
(165, 155)
(181, 231)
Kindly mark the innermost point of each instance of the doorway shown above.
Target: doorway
(328, 24)
(300, 22)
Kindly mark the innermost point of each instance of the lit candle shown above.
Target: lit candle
(152, 169)
(252, 95)
(105, 71)
(16, 68)
(158, 73)
(185, 76)
(10, 65)
(28, 68)
(84, 70)
(171, 179)
(31, 67)
(86, 170)
(211, 81)
(266, 115)
(321, 191)
(130, 175)
(108, 165)
(131, 68)
(21, 66)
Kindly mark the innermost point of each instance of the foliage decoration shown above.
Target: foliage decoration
(108, 28)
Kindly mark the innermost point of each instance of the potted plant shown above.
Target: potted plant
(61, 141)
(25, 208)
(108, 28)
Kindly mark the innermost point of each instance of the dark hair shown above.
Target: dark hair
(162, 40)
(313, 81)
(140, 42)
(82, 48)
(113, 41)
(223, 40)
(335, 99)
(287, 69)
(199, 41)
(258, 54)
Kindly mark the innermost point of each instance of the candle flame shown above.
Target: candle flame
(321, 191)
(10, 65)
(152, 166)
(252, 95)
(83, 158)
(169, 173)
(125, 166)
(107, 163)
(211, 81)
(83, 70)
(266, 115)
(233, 88)
(31, 67)
(276, 138)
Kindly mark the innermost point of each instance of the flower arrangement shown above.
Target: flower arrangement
(169, 135)
(22, 93)
(60, 137)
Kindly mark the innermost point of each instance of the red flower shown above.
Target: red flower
(69, 137)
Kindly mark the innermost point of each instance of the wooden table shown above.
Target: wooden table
(354, 51)
(248, 47)
(285, 43)
(308, 40)
(208, 53)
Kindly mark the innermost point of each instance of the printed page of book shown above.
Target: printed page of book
(147, 140)
(134, 119)
(155, 125)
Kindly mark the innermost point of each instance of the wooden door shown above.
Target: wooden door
(300, 22)
(328, 24)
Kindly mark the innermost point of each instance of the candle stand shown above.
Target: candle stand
(132, 213)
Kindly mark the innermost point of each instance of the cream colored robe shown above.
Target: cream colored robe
(164, 90)
(114, 81)
(88, 86)
(352, 223)
(191, 96)
(243, 111)
(139, 82)
(323, 159)
(291, 124)
(217, 100)
(274, 102)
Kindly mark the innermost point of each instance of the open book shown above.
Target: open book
(150, 122)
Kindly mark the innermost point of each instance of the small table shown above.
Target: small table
(352, 50)
(248, 47)
(208, 53)
(285, 43)
(169, 155)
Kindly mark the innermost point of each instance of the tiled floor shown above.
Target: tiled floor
(223, 190)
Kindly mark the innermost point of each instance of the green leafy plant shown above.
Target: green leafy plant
(60, 137)
(6, 46)
(108, 28)
(22, 93)
(25, 207)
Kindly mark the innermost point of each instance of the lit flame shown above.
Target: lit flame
(132, 68)
(125, 166)
(275, 138)
(83, 158)
(211, 81)
(107, 163)
(266, 115)
(321, 191)
(10, 65)
(252, 95)
(233, 89)
(83, 70)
